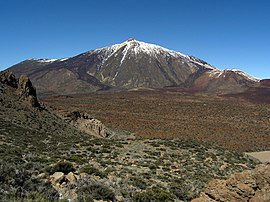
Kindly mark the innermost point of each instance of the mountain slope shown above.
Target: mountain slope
(25, 125)
(131, 64)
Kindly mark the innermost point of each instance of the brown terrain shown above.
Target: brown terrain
(259, 95)
(231, 122)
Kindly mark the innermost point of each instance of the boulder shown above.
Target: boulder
(57, 177)
(71, 178)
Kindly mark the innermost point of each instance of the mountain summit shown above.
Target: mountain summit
(131, 64)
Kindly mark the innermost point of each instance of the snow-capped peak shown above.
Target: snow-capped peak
(222, 73)
(132, 46)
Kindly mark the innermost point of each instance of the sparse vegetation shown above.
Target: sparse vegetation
(92, 171)
(36, 144)
(18, 183)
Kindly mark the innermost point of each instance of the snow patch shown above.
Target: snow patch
(63, 59)
(115, 75)
(48, 60)
(43, 60)
(215, 73)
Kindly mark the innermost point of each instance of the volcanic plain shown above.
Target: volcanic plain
(230, 122)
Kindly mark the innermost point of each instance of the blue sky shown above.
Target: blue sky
(225, 33)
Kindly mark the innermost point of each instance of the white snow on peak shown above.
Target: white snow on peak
(132, 46)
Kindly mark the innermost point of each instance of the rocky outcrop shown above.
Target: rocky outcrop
(87, 124)
(26, 90)
(9, 79)
(23, 85)
(250, 185)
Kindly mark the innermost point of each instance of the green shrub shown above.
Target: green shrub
(36, 196)
(64, 167)
(138, 182)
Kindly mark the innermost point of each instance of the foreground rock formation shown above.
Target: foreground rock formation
(249, 185)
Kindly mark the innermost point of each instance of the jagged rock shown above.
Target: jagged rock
(87, 124)
(249, 185)
(27, 91)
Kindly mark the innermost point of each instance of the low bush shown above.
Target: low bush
(64, 167)
(89, 190)
(180, 191)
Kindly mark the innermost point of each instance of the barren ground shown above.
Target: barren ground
(232, 123)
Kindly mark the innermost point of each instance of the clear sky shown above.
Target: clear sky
(225, 33)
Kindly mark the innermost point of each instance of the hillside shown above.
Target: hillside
(43, 158)
(130, 65)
